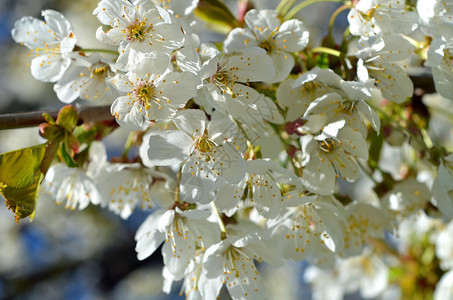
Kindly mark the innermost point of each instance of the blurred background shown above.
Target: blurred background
(90, 254)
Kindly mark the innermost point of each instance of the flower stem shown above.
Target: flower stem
(177, 189)
(219, 218)
(128, 144)
(284, 6)
(334, 17)
(304, 4)
(99, 50)
(327, 51)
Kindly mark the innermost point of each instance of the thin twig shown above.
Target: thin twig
(30, 119)
(422, 78)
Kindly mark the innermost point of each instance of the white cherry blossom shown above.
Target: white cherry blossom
(324, 283)
(203, 148)
(230, 262)
(366, 273)
(154, 92)
(265, 30)
(306, 228)
(378, 17)
(364, 221)
(435, 17)
(262, 135)
(440, 59)
(50, 41)
(227, 77)
(76, 186)
(378, 59)
(331, 154)
(139, 27)
(71, 186)
(262, 186)
(125, 186)
(444, 246)
(240, 169)
(181, 231)
(295, 95)
(192, 279)
(406, 197)
(349, 106)
(87, 78)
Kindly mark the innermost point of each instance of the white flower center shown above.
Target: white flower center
(313, 88)
(144, 92)
(327, 145)
(137, 31)
(348, 107)
(267, 45)
(100, 71)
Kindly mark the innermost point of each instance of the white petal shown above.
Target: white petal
(442, 185)
(394, 82)
(191, 121)
(169, 148)
(129, 115)
(353, 142)
(197, 181)
(69, 86)
(49, 68)
(177, 88)
(443, 81)
(238, 39)
(283, 63)
(209, 287)
(292, 36)
(57, 22)
(249, 284)
(148, 237)
(262, 22)
(319, 177)
(370, 115)
(251, 64)
(230, 163)
(221, 128)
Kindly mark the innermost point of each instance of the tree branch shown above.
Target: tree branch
(420, 77)
(30, 119)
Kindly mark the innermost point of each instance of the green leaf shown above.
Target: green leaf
(217, 15)
(51, 151)
(51, 131)
(20, 175)
(66, 155)
(68, 117)
(85, 135)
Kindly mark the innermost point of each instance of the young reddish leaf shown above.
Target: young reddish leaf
(51, 132)
(68, 117)
(48, 118)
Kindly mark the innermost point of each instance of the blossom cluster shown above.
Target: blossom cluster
(246, 149)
